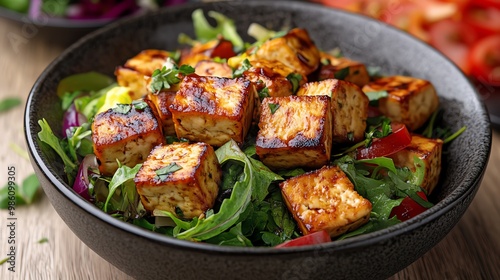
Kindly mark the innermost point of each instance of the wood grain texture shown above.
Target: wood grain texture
(470, 251)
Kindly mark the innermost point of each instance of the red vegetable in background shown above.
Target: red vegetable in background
(310, 239)
(484, 59)
(72, 118)
(81, 184)
(394, 142)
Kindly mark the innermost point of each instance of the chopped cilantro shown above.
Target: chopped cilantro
(273, 107)
(163, 172)
(294, 79)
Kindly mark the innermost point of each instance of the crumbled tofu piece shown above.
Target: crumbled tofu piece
(136, 70)
(162, 101)
(295, 50)
(220, 48)
(349, 107)
(411, 101)
(126, 136)
(343, 68)
(429, 151)
(295, 131)
(188, 184)
(213, 110)
(325, 199)
(213, 68)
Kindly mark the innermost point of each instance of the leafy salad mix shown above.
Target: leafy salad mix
(249, 210)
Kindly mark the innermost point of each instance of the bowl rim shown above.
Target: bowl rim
(357, 242)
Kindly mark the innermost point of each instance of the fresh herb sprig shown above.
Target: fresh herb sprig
(165, 77)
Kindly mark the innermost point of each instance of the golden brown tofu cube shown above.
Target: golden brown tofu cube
(162, 101)
(295, 131)
(410, 100)
(270, 75)
(126, 134)
(429, 151)
(213, 110)
(325, 199)
(180, 178)
(220, 48)
(295, 50)
(344, 69)
(135, 71)
(349, 107)
(213, 68)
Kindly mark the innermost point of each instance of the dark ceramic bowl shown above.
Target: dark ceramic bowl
(148, 255)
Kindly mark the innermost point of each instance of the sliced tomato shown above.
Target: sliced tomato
(454, 39)
(407, 16)
(485, 20)
(488, 3)
(399, 139)
(408, 208)
(485, 60)
(224, 49)
(309, 239)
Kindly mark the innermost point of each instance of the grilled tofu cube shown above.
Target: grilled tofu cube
(126, 134)
(213, 110)
(349, 107)
(295, 131)
(410, 101)
(213, 68)
(180, 178)
(270, 75)
(133, 73)
(220, 48)
(162, 102)
(325, 199)
(343, 69)
(295, 50)
(429, 151)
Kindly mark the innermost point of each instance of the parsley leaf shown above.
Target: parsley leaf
(9, 103)
(165, 77)
(294, 79)
(122, 108)
(263, 93)
(341, 74)
(139, 104)
(163, 172)
(273, 107)
(245, 65)
(374, 96)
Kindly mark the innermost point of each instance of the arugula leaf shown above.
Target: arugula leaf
(47, 136)
(121, 176)
(341, 74)
(241, 196)
(165, 77)
(233, 237)
(291, 173)
(225, 26)
(68, 98)
(9, 103)
(294, 79)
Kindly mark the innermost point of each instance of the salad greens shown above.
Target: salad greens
(9, 103)
(25, 193)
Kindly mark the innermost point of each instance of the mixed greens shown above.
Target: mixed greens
(249, 210)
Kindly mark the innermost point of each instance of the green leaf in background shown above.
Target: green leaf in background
(20, 6)
(24, 194)
(225, 26)
(43, 240)
(9, 103)
(294, 79)
(90, 81)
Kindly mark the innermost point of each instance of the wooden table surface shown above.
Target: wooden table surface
(470, 251)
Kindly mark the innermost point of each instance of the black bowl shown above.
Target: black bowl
(148, 255)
